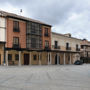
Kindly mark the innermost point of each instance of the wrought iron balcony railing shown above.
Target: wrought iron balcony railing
(68, 48)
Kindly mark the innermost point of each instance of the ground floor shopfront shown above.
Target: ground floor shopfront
(24, 57)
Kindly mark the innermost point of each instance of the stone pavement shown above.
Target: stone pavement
(60, 77)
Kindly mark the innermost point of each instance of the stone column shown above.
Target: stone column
(70, 59)
(19, 58)
(30, 58)
(39, 59)
(64, 59)
(58, 59)
(50, 58)
(7, 58)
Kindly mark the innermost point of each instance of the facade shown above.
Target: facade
(24, 41)
(85, 48)
(65, 49)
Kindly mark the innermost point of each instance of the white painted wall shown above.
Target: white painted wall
(2, 29)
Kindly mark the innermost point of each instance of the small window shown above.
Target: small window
(34, 57)
(16, 57)
(9, 57)
(15, 26)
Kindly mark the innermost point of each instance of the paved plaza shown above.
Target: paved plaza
(60, 77)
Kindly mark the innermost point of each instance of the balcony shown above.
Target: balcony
(55, 47)
(47, 48)
(15, 46)
(16, 30)
(46, 35)
(68, 48)
(77, 49)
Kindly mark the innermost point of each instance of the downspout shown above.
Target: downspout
(4, 61)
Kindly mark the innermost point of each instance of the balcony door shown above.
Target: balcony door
(56, 44)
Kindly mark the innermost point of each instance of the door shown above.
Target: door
(26, 59)
(55, 59)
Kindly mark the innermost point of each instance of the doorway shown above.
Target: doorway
(26, 59)
(57, 59)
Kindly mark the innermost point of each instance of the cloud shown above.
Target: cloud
(66, 16)
(77, 24)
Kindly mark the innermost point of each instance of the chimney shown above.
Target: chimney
(68, 35)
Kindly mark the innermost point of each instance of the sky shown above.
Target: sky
(65, 16)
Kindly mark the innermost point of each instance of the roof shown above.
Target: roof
(65, 36)
(7, 14)
(85, 43)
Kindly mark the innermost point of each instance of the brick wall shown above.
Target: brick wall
(11, 34)
(48, 38)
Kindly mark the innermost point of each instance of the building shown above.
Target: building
(65, 49)
(85, 48)
(23, 41)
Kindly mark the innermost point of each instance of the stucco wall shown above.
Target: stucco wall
(2, 28)
(62, 40)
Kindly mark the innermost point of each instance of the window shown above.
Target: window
(56, 43)
(16, 57)
(33, 42)
(34, 33)
(46, 31)
(77, 47)
(15, 26)
(67, 45)
(34, 57)
(46, 43)
(16, 40)
(82, 47)
(9, 57)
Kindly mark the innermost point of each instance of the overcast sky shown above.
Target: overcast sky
(66, 16)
